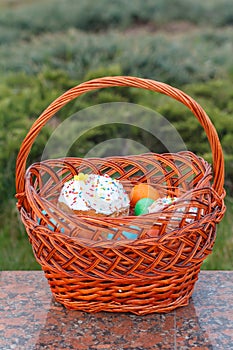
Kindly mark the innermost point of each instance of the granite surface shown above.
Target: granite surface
(31, 319)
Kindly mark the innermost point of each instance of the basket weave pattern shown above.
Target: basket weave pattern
(157, 271)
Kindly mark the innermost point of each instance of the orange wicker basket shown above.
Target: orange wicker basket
(152, 273)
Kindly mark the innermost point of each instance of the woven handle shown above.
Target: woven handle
(56, 105)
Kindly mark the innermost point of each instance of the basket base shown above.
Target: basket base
(141, 297)
(94, 307)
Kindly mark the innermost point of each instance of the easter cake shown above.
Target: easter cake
(94, 195)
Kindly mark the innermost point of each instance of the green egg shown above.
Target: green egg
(142, 205)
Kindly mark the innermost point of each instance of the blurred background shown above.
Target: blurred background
(48, 46)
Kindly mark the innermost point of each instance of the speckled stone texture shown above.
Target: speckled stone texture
(30, 319)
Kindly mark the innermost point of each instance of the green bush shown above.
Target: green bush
(50, 15)
(26, 97)
(47, 47)
(191, 58)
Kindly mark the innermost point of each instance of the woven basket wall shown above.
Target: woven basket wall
(157, 271)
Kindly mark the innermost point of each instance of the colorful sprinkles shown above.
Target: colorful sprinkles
(102, 193)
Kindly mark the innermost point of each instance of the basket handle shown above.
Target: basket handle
(127, 81)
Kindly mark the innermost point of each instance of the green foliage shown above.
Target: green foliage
(222, 255)
(50, 46)
(62, 35)
(88, 15)
(19, 108)
(187, 59)
(15, 249)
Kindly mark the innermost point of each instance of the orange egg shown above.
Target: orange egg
(143, 190)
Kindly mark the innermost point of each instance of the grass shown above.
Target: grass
(222, 255)
(15, 249)
(49, 46)
(178, 59)
(88, 15)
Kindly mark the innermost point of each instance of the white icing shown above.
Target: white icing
(101, 193)
(71, 195)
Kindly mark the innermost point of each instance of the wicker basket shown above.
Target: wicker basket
(155, 272)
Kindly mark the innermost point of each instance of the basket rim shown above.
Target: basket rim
(36, 201)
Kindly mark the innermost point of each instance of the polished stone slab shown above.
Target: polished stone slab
(30, 319)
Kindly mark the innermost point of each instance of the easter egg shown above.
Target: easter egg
(142, 205)
(143, 190)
